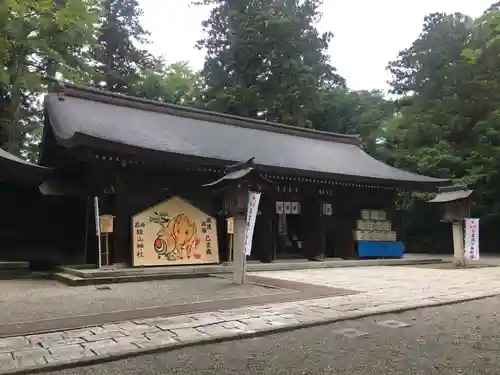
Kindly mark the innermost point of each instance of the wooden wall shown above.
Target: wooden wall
(331, 236)
(45, 231)
(137, 188)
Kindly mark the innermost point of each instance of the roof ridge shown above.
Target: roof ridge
(89, 93)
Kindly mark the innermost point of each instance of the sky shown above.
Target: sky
(368, 33)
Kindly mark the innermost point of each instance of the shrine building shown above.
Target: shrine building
(167, 181)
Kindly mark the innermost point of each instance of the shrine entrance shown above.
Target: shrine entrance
(289, 230)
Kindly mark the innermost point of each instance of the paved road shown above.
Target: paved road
(462, 338)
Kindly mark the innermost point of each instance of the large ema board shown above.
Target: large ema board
(174, 232)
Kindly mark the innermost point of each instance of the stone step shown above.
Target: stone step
(81, 277)
(73, 280)
(14, 270)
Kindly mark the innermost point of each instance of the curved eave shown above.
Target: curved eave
(451, 196)
(134, 152)
(17, 171)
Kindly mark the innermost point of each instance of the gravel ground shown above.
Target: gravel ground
(462, 338)
(28, 300)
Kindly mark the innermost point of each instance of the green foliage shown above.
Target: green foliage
(37, 37)
(485, 36)
(266, 59)
(118, 60)
(340, 110)
(173, 83)
(432, 128)
(448, 123)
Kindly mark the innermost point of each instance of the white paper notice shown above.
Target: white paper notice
(471, 239)
(253, 204)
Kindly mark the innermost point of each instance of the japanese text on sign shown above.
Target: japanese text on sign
(139, 231)
(253, 204)
(471, 246)
(206, 229)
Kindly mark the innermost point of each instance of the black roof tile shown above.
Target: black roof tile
(17, 170)
(149, 125)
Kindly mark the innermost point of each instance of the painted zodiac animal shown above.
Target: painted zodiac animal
(177, 238)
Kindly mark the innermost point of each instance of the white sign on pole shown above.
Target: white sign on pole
(471, 247)
(253, 204)
(98, 230)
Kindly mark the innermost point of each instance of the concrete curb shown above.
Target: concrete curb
(230, 337)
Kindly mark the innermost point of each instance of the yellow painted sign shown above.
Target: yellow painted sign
(106, 223)
(174, 233)
(230, 225)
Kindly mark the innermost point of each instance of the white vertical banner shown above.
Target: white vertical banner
(253, 204)
(471, 246)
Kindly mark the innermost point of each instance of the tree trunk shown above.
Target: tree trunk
(14, 126)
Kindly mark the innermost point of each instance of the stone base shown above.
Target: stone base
(79, 276)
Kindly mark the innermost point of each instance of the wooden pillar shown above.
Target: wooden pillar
(122, 247)
(313, 228)
(90, 244)
(262, 248)
(331, 235)
(222, 238)
(347, 217)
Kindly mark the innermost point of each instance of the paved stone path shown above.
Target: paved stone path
(448, 340)
(384, 289)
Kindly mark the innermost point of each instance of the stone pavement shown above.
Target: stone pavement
(447, 340)
(383, 289)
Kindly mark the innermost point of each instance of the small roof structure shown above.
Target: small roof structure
(18, 171)
(449, 194)
(80, 116)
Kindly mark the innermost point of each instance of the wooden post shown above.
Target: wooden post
(107, 248)
(85, 246)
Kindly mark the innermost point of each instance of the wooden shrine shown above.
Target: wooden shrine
(139, 157)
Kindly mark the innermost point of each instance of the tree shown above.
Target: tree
(436, 115)
(432, 64)
(448, 122)
(341, 110)
(265, 59)
(37, 37)
(119, 61)
(173, 83)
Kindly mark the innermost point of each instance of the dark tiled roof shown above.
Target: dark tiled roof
(12, 158)
(452, 193)
(76, 113)
(17, 170)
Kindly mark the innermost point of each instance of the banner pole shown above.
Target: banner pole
(243, 268)
(98, 230)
